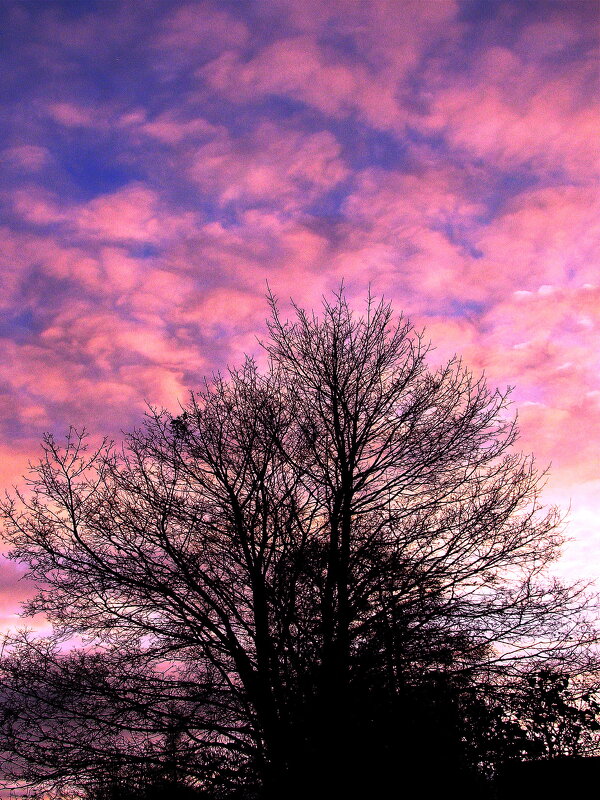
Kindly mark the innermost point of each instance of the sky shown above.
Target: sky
(161, 161)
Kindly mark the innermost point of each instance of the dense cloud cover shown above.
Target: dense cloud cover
(162, 160)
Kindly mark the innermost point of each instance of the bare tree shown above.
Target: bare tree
(287, 561)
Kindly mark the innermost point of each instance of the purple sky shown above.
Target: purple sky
(161, 160)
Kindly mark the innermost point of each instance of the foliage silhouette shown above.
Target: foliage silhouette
(307, 582)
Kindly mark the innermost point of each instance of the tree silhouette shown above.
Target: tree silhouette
(558, 718)
(300, 574)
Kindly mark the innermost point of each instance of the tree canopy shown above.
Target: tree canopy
(305, 582)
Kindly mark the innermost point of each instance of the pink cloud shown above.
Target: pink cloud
(121, 271)
(276, 166)
(559, 33)
(389, 41)
(72, 115)
(517, 111)
(226, 310)
(132, 214)
(190, 32)
(430, 194)
(28, 156)
(376, 22)
(171, 131)
(14, 461)
(545, 236)
(427, 228)
(297, 67)
(193, 26)
(110, 340)
(38, 206)
(89, 367)
(26, 251)
(547, 344)
(398, 227)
